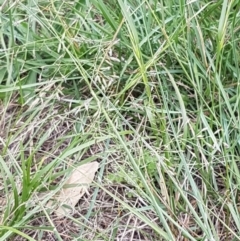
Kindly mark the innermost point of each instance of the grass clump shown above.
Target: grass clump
(150, 89)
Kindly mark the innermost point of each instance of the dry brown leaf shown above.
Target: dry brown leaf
(75, 187)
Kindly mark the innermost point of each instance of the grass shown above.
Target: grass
(150, 89)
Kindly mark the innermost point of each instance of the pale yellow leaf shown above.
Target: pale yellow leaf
(75, 187)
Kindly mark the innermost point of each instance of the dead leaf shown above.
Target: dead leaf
(75, 187)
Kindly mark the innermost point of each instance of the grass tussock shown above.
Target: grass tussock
(149, 89)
